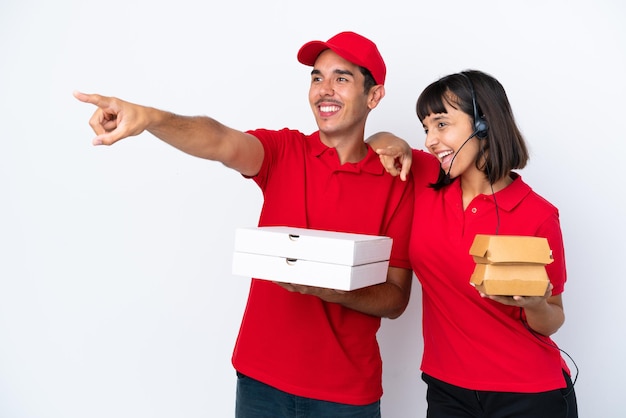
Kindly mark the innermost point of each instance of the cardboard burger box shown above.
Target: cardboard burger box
(510, 265)
(336, 260)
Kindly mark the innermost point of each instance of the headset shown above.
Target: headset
(480, 125)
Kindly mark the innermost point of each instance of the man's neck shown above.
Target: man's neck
(349, 150)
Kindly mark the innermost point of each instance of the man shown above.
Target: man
(302, 348)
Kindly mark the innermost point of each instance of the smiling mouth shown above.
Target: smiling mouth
(329, 109)
(444, 154)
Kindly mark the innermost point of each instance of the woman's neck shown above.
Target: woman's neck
(477, 184)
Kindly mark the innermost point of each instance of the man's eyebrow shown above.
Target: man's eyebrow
(344, 72)
(337, 71)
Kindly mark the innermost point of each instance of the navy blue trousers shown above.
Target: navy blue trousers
(258, 400)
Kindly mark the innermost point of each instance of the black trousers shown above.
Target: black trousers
(448, 401)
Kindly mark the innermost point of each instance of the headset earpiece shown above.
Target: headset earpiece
(480, 125)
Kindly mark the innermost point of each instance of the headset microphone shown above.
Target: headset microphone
(447, 179)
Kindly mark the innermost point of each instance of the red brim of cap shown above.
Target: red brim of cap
(309, 52)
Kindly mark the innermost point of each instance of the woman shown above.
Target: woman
(484, 356)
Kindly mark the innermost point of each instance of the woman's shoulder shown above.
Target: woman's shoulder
(425, 166)
(530, 196)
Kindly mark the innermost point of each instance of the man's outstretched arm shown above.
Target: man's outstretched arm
(200, 136)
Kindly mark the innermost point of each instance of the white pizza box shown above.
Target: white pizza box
(337, 260)
(310, 273)
(313, 245)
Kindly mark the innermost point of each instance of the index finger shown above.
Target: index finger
(391, 155)
(94, 99)
(406, 166)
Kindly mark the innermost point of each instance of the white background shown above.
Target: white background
(116, 296)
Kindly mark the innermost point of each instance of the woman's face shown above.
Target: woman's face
(446, 134)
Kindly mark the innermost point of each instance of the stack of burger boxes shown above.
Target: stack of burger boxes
(509, 265)
(336, 260)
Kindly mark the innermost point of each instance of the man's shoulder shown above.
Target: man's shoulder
(284, 133)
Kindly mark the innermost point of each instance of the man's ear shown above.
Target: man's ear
(375, 96)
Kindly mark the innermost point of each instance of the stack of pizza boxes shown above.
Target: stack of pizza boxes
(336, 260)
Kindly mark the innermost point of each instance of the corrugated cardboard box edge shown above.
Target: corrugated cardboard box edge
(510, 265)
(510, 279)
(494, 249)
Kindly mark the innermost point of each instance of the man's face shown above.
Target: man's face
(336, 95)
